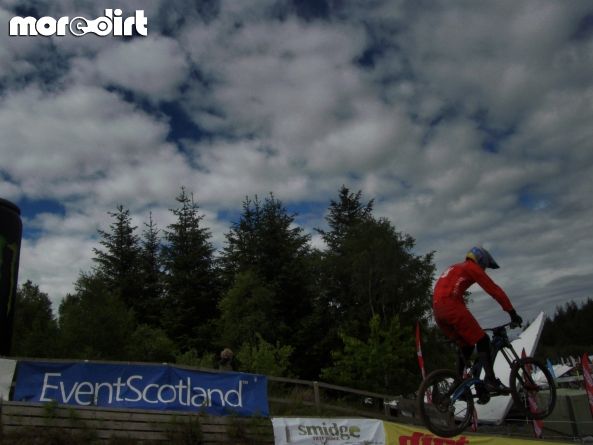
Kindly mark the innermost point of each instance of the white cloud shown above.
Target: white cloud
(54, 262)
(56, 141)
(285, 80)
(154, 66)
(14, 52)
(286, 108)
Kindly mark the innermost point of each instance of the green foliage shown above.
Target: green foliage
(191, 358)
(150, 344)
(191, 288)
(244, 310)
(385, 277)
(148, 307)
(261, 357)
(343, 214)
(437, 350)
(266, 240)
(267, 265)
(118, 263)
(94, 323)
(35, 327)
(380, 363)
(369, 270)
(569, 332)
(270, 295)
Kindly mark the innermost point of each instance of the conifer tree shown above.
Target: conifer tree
(370, 269)
(150, 307)
(268, 262)
(191, 284)
(342, 215)
(118, 262)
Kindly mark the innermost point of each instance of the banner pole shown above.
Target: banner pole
(419, 351)
(588, 379)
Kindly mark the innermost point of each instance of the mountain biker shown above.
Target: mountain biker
(455, 319)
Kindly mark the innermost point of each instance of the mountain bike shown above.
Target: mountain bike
(446, 400)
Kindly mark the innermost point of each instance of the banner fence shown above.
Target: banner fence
(160, 387)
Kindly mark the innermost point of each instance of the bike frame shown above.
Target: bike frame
(502, 344)
(451, 400)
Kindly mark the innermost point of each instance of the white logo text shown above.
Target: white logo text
(112, 23)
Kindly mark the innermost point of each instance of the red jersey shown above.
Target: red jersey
(453, 283)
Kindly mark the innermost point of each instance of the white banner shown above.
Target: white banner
(320, 431)
(7, 368)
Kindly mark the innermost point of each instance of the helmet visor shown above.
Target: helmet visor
(490, 261)
(482, 257)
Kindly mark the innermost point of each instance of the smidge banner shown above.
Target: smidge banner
(141, 386)
(319, 431)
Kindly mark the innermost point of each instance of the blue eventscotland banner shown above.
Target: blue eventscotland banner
(142, 386)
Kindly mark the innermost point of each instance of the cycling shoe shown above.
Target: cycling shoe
(496, 387)
(483, 395)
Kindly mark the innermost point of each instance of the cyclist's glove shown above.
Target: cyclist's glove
(515, 319)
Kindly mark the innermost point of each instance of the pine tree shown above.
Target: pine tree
(191, 282)
(118, 263)
(150, 306)
(266, 240)
(569, 332)
(344, 213)
(369, 269)
(343, 216)
(267, 262)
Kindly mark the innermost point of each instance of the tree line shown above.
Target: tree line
(568, 332)
(344, 314)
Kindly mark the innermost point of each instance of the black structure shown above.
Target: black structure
(11, 232)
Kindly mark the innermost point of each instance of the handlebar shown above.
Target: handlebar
(510, 325)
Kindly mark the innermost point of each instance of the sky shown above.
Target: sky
(467, 122)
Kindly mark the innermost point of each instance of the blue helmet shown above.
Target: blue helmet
(482, 257)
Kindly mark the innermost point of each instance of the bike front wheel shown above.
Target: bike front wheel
(445, 408)
(533, 388)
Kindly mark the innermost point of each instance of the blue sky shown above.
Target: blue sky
(467, 122)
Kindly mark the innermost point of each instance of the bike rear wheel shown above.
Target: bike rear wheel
(441, 414)
(533, 388)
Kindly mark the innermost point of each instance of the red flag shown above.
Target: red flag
(538, 425)
(421, 359)
(588, 379)
(475, 420)
(419, 351)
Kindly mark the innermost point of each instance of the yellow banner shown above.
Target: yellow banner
(398, 434)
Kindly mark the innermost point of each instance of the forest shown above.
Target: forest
(568, 333)
(344, 314)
